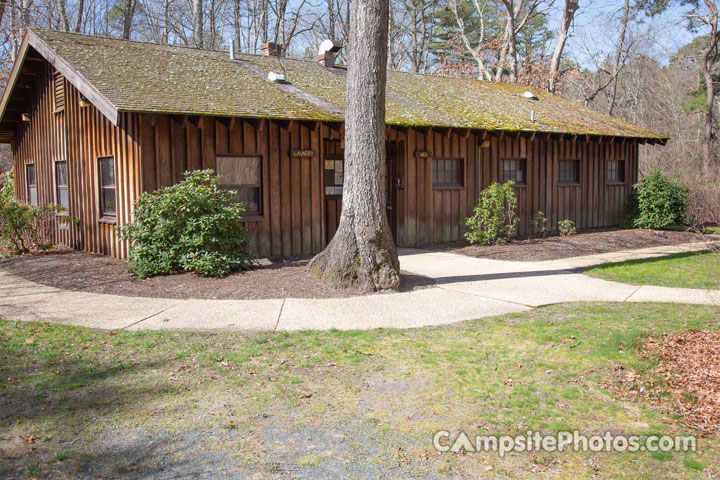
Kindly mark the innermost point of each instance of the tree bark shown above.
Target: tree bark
(198, 23)
(63, 16)
(79, 18)
(571, 6)
(363, 252)
(709, 54)
(128, 14)
(618, 55)
(2, 9)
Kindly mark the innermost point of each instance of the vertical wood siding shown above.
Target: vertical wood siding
(153, 151)
(78, 136)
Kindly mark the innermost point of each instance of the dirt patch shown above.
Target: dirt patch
(689, 366)
(585, 243)
(273, 278)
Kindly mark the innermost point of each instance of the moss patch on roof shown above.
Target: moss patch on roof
(136, 76)
(146, 77)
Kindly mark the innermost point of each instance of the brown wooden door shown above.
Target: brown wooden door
(391, 176)
(333, 177)
(333, 165)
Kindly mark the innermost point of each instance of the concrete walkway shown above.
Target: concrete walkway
(467, 288)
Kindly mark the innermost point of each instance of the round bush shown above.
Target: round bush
(192, 226)
(495, 218)
(659, 202)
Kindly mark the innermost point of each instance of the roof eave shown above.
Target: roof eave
(100, 102)
(10, 86)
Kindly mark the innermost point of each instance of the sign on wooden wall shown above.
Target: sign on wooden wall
(303, 153)
(422, 154)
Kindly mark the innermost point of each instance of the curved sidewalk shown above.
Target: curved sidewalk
(466, 288)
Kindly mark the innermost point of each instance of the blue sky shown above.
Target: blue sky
(596, 29)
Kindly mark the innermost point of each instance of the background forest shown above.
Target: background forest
(654, 63)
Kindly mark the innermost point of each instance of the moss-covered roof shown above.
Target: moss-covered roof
(136, 76)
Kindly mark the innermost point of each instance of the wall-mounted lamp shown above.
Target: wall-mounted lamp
(84, 102)
(25, 117)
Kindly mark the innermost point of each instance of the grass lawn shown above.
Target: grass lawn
(688, 270)
(82, 403)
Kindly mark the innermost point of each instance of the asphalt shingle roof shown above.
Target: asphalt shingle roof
(144, 77)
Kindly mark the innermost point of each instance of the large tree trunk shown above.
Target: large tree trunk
(705, 69)
(571, 6)
(363, 252)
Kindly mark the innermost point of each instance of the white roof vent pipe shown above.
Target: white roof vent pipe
(530, 95)
(275, 77)
(327, 51)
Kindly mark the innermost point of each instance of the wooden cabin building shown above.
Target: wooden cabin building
(94, 122)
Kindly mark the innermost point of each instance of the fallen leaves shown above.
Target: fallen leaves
(689, 362)
(13, 381)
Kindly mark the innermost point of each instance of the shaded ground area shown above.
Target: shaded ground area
(584, 243)
(688, 370)
(87, 272)
(684, 270)
(81, 403)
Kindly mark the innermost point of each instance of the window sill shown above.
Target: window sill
(62, 214)
(568, 184)
(108, 220)
(253, 218)
(614, 184)
(448, 187)
(520, 185)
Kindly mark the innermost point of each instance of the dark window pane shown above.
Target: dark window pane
(107, 172)
(61, 176)
(569, 171)
(108, 201)
(448, 173)
(63, 198)
(238, 170)
(250, 196)
(30, 174)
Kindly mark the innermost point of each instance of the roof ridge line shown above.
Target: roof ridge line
(290, 88)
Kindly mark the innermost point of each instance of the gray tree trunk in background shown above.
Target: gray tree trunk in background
(363, 252)
(198, 23)
(128, 14)
(571, 6)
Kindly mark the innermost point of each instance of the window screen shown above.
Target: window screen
(448, 173)
(32, 195)
(513, 169)
(61, 185)
(244, 175)
(106, 168)
(615, 171)
(569, 172)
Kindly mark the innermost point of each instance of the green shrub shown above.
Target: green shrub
(538, 224)
(660, 201)
(567, 228)
(23, 227)
(192, 226)
(495, 217)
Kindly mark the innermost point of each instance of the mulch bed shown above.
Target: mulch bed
(273, 278)
(689, 364)
(584, 243)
